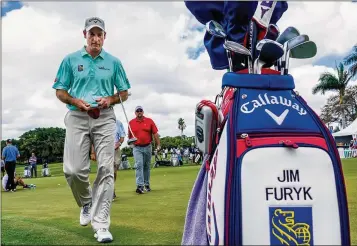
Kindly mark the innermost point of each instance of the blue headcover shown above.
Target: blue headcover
(234, 16)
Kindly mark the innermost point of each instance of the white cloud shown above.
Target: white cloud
(147, 37)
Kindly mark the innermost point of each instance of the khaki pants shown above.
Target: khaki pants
(81, 131)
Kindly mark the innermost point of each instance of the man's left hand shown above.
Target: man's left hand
(104, 102)
(158, 148)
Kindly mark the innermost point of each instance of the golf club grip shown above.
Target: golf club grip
(252, 38)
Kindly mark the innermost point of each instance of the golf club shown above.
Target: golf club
(215, 29)
(270, 51)
(289, 33)
(304, 50)
(290, 44)
(240, 49)
(133, 139)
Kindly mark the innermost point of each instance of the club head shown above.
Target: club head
(271, 51)
(236, 48)
(289, 33)
(132, 141)
(262, 42)
(304, 50)
(292, 43)
(215, 29)
(272, 32)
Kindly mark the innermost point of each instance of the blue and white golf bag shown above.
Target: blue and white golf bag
(274, 176)
(27, 171)
(45, 170)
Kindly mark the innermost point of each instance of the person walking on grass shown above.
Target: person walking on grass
(143, 129)
(9, 154)
(90, 81)
(33, 165)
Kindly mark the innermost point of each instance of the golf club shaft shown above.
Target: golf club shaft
(287, 62)
(250, 65)
(126, 117)
(230, 61)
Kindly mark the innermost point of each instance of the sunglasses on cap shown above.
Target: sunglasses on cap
(139, 110)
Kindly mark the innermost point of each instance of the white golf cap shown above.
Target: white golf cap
(94, 22)
(139, 107)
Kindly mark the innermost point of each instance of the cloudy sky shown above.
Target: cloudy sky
(161, 48)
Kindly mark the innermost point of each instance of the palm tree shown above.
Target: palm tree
(351, 61)
(331, 82)
(181, 125)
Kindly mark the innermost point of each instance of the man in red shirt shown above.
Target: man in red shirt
(143, 128)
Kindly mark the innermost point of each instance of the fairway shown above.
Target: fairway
(48, 214)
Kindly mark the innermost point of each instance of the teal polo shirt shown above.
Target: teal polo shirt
(86, 78)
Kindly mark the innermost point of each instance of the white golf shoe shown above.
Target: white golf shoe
(103, 236)
(85, 218)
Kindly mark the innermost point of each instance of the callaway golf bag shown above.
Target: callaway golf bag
(271, 172)
(275, 171)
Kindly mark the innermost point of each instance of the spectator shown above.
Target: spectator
(17, 181)
(10, 153)
(143, 129)
(33, 164)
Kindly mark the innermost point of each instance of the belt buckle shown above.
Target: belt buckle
(94, 113)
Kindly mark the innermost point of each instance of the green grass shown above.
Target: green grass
(48, 215)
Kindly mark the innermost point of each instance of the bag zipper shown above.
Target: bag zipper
(291, 140)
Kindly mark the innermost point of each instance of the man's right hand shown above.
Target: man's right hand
(80, 104)
(64, 97)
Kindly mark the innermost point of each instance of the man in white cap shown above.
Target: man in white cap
(89, 81)
(143, 128)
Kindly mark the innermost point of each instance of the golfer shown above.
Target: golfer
(143, 129)
(10, 153)
(86, 81)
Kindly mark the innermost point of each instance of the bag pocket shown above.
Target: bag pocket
(286, 190)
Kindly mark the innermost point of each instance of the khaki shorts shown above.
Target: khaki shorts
(117, 159)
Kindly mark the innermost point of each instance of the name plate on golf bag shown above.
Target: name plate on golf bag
(275, 177)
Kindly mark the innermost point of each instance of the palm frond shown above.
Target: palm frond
(340, 71)
(327, 82)
(353, 70)
(351, 58)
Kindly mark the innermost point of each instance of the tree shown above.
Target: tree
(331, 82)
(351, 61)
(331, 111)
(181, 125)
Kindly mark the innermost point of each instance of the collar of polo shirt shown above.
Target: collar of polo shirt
(102, 54)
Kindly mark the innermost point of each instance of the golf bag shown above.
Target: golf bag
(27, 171)
(275, 176)
(45, 170)
(174, 159)
(124, 164)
